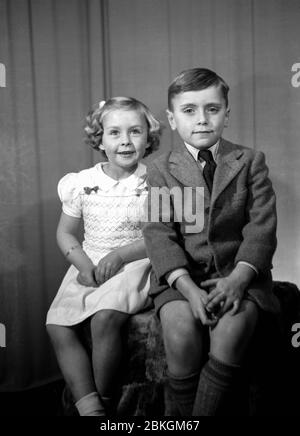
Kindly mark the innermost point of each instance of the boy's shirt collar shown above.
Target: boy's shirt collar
(194, 151)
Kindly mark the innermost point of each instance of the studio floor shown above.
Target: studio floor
(42, 401)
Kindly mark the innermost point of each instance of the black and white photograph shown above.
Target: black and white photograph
(149, 210)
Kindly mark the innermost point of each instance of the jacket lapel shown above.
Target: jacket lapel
(184, 168)
(229, 165)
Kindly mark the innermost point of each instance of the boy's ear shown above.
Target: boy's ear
(171, 119)
(226, 122)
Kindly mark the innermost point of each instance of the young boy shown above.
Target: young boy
(220, 276)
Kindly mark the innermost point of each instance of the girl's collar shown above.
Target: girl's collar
(131, 182)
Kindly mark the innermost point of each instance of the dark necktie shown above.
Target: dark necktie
(209, 168)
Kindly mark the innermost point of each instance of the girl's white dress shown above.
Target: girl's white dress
(112, 212)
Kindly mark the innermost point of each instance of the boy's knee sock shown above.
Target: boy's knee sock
(90, 405)
(181, 394)
(216, 384)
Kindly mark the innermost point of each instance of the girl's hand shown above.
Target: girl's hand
(226, 295)
(87, 278)
(108, 266)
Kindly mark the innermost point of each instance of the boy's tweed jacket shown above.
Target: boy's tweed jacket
(239, 219)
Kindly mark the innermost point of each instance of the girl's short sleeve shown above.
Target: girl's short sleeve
(69, 193)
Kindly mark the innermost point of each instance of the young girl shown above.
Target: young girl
(109, 277)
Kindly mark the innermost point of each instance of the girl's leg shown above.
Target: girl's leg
(76, 368)
(183, 340)
(222, 373)
(107, 338)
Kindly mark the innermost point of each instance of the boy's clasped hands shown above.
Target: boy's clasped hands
(225, 295)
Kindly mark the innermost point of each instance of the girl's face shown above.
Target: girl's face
(124, 140)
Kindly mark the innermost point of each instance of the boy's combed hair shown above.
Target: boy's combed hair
(94, 122)
(196, 79)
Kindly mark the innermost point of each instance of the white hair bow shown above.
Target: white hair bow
(101, 104)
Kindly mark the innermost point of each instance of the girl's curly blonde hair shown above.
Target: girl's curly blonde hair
(94, 122)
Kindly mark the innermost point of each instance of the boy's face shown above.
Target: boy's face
(199, 116)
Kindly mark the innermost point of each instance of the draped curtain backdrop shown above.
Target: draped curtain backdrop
(60, 57)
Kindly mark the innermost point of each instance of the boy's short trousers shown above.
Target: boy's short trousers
(168, 294)
(171, 294)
